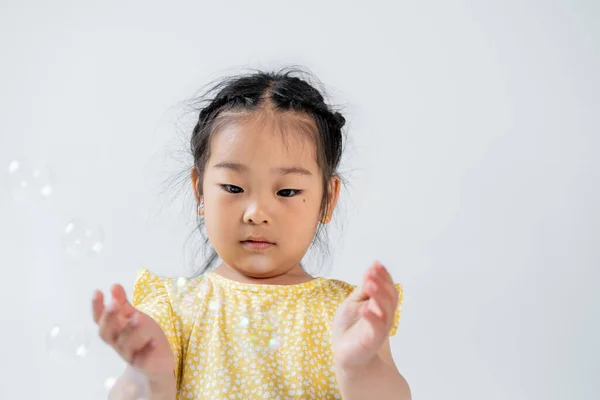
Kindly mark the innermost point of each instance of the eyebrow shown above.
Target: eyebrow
(244, 168)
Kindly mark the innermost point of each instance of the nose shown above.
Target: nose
(256, 213)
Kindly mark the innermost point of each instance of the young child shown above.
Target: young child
(266, 150)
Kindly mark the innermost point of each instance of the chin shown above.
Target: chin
(258, 271)
(255, 266)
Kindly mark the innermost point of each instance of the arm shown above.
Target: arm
(379, 379)
(166, 390)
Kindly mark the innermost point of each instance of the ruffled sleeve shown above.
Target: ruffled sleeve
(151, 296)
(394, 328)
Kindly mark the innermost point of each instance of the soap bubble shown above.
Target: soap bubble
(81, 238)
(132, 385)
(109, 383)
(182, 292)
(260, 331)
(214, 305)
(28, 183)
(67, 343)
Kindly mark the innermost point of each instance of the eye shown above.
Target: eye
(289, 192)
(231, 189)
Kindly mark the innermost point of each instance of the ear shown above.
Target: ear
(335, 184)
(195, 182)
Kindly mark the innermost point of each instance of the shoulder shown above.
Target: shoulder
(336, 285)
(339, 286)
(154, 288)
(148, 283)
(335, 291)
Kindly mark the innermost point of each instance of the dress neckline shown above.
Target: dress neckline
(260, 287)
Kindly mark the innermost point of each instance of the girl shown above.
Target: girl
(266, 149)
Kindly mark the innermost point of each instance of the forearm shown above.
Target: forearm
(378, 380)
(163, 390)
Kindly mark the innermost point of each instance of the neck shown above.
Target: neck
(287, 277)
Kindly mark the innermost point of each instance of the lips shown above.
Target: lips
(256, 245)
(257, 239)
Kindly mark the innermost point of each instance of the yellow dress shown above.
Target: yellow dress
(234, 340)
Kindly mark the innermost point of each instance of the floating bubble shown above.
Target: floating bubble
(244, 322)
(28, 183)
(182, 287)
(181, 282)
(203, 289)
(81, 238)
(186, 295)
(109, 383)
(214, 305)
(275, 343)
(132, 385)
(67, 343)
(260, 332)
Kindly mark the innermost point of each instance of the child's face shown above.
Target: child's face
(257, 199)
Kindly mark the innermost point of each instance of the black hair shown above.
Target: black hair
(289, 89)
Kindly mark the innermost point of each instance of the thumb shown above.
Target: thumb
(120, 299)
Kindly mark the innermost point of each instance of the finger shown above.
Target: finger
(378, 323)
(385, 285)
(119, 296)
(360, 293)
(132, 338)
(382, 297)
(383, 272)
(111, 323)
(97, 305)
(376, 269)
(375, 307)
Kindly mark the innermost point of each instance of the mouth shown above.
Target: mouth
(257, 245)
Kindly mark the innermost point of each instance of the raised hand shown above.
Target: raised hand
(136, 337)
(363, 321)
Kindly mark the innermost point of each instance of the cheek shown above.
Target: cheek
(219, 220)
(309, 206)
(303, 215)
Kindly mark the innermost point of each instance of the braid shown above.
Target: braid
(303, 97)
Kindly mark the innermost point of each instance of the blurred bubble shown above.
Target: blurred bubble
(200, 291)
(244, 322)
(28, 183)
(181, 287)
(185, 294)
(203, 289)
(132, 385)
(214, 305)
(109, 383)
(67, 343)
(81, 238)
(275, 343)
(260, 331)
(181, 283)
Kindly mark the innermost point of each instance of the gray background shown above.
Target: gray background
(473, 163)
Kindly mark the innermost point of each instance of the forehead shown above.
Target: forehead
(265, 141)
